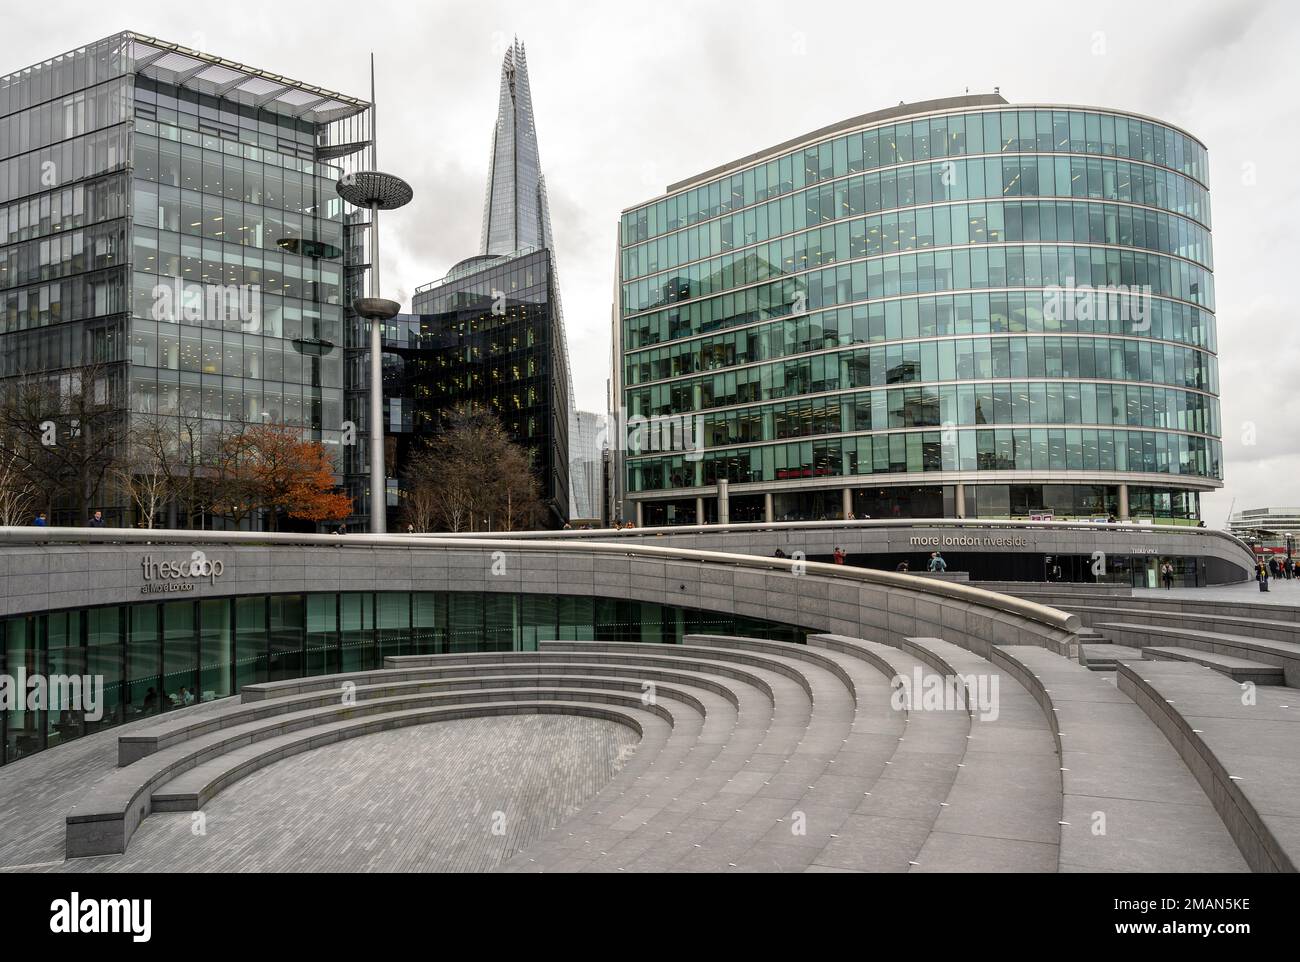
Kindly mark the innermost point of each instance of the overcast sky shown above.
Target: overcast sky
(631, 97)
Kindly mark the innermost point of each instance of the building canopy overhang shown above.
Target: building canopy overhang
(170, 63)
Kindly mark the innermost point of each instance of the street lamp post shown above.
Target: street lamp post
(375, 191)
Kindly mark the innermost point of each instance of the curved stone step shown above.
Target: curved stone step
(137, 745)
(713, 710)
(1282, 654)
(1239, 624)
(642, 831)
(1241, 750)
(1130, 803)
(1106, 656)
(1157, 601)
(888, 830)
(871, 729)
(199, 785)
(1003, 811)
(1238, 669)
(624, 823)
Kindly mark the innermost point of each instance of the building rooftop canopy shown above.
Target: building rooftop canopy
(204, 73)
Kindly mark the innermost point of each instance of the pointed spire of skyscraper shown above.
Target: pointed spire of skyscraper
(514, 213)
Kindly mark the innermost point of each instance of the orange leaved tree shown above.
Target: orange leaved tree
(270, 466)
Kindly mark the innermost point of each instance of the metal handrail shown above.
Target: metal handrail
(753, 526)
(1032, 611)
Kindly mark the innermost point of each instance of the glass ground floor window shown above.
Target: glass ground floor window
(903, 502)
(747, 508)
(1057, 500)
(664, 514)
(155, 657)
(820, 505)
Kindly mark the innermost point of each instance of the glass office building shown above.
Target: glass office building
(138, 179)
(1269, 531)
(587, 439)
(957, 308)
(487, 335)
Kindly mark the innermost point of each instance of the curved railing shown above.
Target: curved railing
(1040, 614)
(752, 526)
(1127, 527)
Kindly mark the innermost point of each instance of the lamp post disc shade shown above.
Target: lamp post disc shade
(370, 188)
(376, 308)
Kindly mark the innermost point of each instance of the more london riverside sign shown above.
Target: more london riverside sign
(1008, 541)
(168, 577)
(969, 541)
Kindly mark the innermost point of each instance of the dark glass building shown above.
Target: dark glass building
(957, 308)
(137, 178)
(486, 334)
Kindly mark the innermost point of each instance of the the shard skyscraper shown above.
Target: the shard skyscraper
(492, 331)
(515, 213)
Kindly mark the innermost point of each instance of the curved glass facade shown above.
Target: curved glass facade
(1023, 290)
(157, 656)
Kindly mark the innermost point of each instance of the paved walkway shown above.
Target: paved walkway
(460, 796)
(1281, 592)
(38, 791)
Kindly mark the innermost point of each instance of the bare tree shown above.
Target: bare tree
(146, 469)
(472, 477)
(64, 429)
(190, 476)
(17, 491)
(420, 507)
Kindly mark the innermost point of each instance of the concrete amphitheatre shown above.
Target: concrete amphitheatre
(801, 716)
